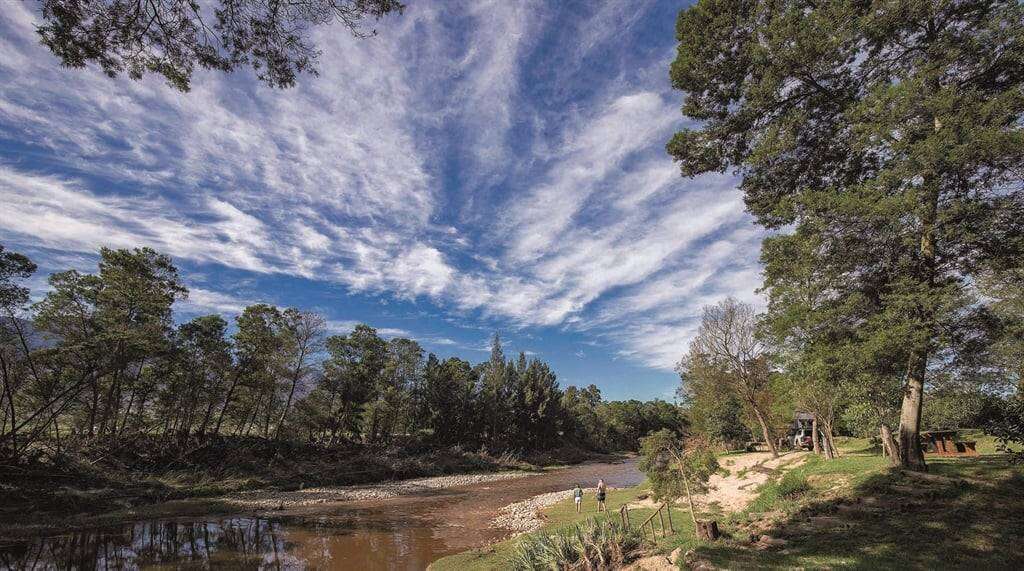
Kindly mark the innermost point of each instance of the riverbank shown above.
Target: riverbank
(557, 517)
(802, 511)
(103, 483)
(406, 531)
(733, 488)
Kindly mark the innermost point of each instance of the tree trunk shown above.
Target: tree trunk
(829, 441)
(910, 454)
(288, 403)
(206, 417)
(888, 444)
(8, 394)
(689, 498)
(227, 401)
(814, 435)
(764, 431)
(95, 405)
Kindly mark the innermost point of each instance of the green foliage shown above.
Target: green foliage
(107, 362)
(671, 464)
(959, 407)
(171, 38)
(1009, 428)
(13, 268)
(1005, 287)
(881, 141)
(718, 416)
(627, 422)
(592, 545)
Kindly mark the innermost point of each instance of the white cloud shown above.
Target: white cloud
(201, 300)
(344, 327)
(342, 179)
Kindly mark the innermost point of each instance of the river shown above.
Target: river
(403, 533)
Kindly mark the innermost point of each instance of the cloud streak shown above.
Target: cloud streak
(424, 164)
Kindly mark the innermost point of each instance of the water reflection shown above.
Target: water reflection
(322, 542)
(405, 533)
(238, 542)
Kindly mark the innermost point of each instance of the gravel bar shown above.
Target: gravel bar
(273, 499)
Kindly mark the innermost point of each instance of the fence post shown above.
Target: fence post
(668, 509)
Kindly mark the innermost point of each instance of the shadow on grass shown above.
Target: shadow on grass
(898, 521)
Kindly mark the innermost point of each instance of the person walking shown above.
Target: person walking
(577, 495)
(601, 490)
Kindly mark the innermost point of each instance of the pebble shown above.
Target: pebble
(524, 517)
(271, 499)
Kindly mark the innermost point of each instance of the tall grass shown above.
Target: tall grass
(793, 484)
(594, 545)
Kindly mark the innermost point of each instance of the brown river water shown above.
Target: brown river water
(403, 533)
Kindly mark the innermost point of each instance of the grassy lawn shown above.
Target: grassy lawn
(857, 514)
(849, 513)
(562, 515)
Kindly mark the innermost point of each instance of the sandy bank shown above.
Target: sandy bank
(275, 499)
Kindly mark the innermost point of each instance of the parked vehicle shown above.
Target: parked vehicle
(802, 439)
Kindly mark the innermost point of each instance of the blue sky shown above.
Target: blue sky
(475, 167)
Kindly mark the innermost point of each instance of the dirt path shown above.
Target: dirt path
(746, 472)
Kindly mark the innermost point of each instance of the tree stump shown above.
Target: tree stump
(707, 530)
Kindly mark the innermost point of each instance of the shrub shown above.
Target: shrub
(793, 484)
(592, 546)
(1009, 428)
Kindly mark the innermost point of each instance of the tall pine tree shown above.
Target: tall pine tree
(890, 132)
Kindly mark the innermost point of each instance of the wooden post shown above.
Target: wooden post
(707, 530)
(668, 509)
(661, 516)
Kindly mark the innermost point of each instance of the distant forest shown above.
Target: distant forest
(100, 357)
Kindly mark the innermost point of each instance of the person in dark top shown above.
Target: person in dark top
(601, 490)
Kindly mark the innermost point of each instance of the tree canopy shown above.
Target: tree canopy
(172, 37)
(117, 366)
(882, 143)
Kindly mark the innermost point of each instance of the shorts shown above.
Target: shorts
(600, 496)
(579, 500)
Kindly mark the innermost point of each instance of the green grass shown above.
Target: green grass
(849, 513)
(859, 514)
(560, 518)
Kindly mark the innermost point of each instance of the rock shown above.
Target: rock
(675, 555)
(271, 499)
(652, 563)
(765, 515)
(695, 563)
(522, 517)
(768, 541)
(825, 522)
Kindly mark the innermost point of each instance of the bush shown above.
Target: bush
(1008, 428)
(793, 484)
(591, 545)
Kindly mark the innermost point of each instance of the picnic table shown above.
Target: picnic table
(945, 443)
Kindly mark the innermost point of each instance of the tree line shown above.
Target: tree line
(101, 357)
